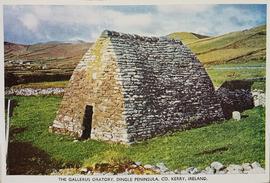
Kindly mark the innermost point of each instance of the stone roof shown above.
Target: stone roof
(114, 34)
(163, 83)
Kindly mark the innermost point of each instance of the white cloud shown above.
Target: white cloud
(68, 14)
(30, 21)
(206, 19)
(94, 17)
(87, 22)
(43, 12)
(135, 23)
(185, 8)
(91, 15)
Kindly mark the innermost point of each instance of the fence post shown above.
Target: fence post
(7, 129)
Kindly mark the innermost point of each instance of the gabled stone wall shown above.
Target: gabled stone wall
(94, 82)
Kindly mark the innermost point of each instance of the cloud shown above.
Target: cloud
(63, 23)
(30, 21)
(96, 16)
(187, 9)
(130, 23)
(74, 18)
(210, 19)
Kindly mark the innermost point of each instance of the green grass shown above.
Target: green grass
(52, 84)
(212, 43)
(110, 157)
(259, 85)
(219, 76)
(223, 55)
(228, 142)
(238, 46)
(251, 63)
(186, 37)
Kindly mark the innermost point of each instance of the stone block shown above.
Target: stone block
(236, 115)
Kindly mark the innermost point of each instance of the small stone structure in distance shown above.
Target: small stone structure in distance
(129, 88)
(235, 95)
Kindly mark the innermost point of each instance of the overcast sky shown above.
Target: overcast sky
(33, 24)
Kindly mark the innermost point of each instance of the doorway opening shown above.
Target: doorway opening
(87, 122)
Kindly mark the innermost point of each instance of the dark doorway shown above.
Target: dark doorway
(87, 122)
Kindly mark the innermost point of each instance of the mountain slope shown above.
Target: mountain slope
(186, 37)
(43, 61)
(240, 46)
(46, 54)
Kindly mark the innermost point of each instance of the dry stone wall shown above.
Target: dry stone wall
(94, 82)
(235, 95)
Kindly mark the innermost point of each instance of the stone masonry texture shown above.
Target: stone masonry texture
(139, 87)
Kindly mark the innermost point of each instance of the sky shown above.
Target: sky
(30, 24)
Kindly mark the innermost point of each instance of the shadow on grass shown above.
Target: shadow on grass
(15, 131)
(25, 159)
(213, 151)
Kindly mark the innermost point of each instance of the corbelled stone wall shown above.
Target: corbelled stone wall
(165, 87)
(140, 87)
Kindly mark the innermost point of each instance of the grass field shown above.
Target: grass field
(186, 37)
(240, 46)
(228, 142)
(53, 84)
(224, 72)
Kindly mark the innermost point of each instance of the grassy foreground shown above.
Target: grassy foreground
(229, 142)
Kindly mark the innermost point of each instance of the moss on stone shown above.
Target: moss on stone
(96, 51)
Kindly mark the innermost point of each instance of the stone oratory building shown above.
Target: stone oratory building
(129, 88)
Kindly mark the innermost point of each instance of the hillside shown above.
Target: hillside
(241, 46)
(187, 37)
(43, 61)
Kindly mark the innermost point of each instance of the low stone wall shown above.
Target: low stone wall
(235, 95)
(33, 92)
(160, 168)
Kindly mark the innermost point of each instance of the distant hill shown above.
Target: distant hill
(42, 61)
(241, 46)
(186, 37)
(51, 54)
